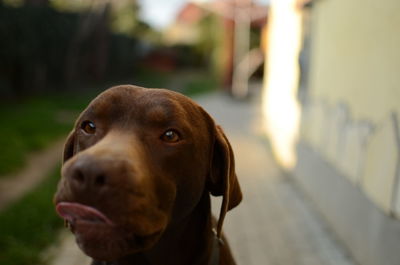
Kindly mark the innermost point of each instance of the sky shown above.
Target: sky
(160, 13)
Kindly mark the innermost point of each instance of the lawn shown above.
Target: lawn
(33, 124)
(199, 85)
(30, 225)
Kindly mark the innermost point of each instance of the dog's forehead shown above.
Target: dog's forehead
(149, 104)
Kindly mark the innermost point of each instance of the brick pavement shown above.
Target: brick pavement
(275, 224)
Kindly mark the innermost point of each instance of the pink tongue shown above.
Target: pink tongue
(75, 211)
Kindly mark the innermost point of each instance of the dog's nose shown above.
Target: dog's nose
(88, 174)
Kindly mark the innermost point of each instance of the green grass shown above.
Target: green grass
(192, 84)
(151, 78)
(29, 226)
(199, 85)
(33, 124)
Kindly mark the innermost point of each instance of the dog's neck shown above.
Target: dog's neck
(189, 242)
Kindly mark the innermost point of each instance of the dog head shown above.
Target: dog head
(137, 161)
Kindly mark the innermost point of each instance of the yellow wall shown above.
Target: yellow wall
(352, 113)
(355, 93)
(356, 55)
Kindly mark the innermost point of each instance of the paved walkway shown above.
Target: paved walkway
(275, 224)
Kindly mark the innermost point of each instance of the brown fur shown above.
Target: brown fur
(156, 192)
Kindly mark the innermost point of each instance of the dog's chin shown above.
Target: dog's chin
(101, 238)
(109, 243)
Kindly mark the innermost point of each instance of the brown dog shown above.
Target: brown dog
(138, 170)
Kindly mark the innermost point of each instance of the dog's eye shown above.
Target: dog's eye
(88, 127)
(170, 136)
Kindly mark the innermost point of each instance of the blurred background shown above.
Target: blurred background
(307, 91)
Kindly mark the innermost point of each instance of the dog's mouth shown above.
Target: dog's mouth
(76, 212)
(98, 236)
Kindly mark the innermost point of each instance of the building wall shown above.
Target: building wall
(356, 55)
(351, 116)
(346, 149)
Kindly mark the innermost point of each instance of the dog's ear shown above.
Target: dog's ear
(69, 146)
(223, 180)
